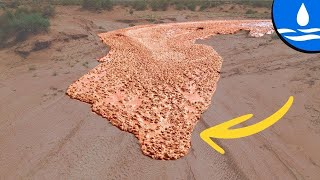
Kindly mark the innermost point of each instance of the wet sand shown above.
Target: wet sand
(259, 81)
(155, 82)
(45, 135)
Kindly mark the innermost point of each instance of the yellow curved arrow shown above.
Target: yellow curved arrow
(223, 130)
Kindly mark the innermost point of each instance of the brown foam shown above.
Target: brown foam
(156, 82)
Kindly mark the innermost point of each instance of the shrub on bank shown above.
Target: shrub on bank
(68, 2)
(179, 6)
(13, 3)
(21, 23)
(139, 5)
(97, 4)
(255, 3)
(191, 5)
(48, 11)
(2, 5)
(157, 5)
(30, 23)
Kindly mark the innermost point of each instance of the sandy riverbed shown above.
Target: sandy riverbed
(46, 135)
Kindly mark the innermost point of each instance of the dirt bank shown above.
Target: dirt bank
(45, 135)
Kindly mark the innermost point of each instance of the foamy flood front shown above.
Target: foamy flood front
(156, 82)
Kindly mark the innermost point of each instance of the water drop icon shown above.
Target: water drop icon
(298, 24)
(303, 16)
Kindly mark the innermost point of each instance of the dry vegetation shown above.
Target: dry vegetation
(139, 5)
(19, 21)
(20, 18)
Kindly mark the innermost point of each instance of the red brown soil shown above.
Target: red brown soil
(156, 82)
(45, 135)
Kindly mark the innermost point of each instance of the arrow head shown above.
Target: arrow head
(223, 130)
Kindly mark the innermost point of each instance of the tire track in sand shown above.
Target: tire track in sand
(156, 82)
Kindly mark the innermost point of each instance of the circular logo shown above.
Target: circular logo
(297, 23)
